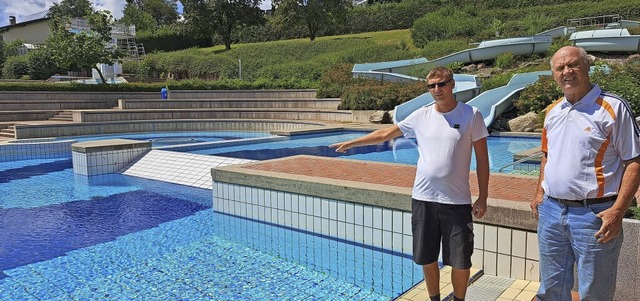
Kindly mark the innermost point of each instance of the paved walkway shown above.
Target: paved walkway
(501, 186)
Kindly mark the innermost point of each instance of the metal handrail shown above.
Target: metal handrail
(538, 153)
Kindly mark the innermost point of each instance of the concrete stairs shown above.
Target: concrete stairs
(7, 131)
(63, 116)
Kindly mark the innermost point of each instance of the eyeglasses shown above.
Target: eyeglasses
(440, 84)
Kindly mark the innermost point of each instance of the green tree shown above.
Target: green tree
(133, 15)
(84, 49)
(314, 14)
(165, 12)
(68, 9)
(149, 14)
(221, 17)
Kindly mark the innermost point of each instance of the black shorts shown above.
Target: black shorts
(433, 223)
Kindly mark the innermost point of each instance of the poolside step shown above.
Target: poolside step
(63, 116)
(222, 113)
(9, 132)
(226, 103)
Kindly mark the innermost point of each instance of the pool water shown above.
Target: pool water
(175, 138)
(400, 150)
(114, 237)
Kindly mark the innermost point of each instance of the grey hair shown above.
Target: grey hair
(582, 55)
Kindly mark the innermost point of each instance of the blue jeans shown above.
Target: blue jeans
(566, 236)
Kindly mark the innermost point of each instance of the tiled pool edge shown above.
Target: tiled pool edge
(506, 239)
(487, 255)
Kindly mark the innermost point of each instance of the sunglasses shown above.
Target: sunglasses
(440, 84)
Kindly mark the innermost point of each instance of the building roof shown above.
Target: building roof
(33, 18)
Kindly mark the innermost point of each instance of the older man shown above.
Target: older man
(588, 177)
(441, 205)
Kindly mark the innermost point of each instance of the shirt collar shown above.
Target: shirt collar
(589, 99)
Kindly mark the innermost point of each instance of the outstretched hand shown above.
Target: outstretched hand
(340, 147)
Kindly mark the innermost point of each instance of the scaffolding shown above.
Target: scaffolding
(124, 37)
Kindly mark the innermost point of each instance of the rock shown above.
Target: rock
(524, 123)
(379, 117)
(482, 66)
(470, 68)
(592, 58)
(633, 57)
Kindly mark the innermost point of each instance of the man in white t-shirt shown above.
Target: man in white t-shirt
(441, 206)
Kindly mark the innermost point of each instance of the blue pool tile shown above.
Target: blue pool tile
(34, 170)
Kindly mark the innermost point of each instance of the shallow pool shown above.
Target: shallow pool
(114, 237)
(400, 150)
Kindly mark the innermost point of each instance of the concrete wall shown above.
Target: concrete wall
(141, 104)
(177, 94)
(200, 94)
(281, 114)
(6, 116)
(8, 105)
(75, 129)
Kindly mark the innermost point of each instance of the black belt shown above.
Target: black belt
(585, 202)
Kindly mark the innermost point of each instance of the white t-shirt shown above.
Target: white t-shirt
(444, 141)
(586, 145)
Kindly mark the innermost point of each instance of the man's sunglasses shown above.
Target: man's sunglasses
(440, 84)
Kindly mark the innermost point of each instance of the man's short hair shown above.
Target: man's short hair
(582, 55)
(443, 72)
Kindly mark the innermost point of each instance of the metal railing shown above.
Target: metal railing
(534, 155)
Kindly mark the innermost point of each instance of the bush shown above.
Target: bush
(15, 67)
(335, 80)
(372, 95)
(169, 38)
(621, 82)
(41, 65)
(495, 81)
(445, 23)
(536, 97)
(505, 60)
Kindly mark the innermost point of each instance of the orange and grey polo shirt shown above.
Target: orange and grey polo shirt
(586, 145)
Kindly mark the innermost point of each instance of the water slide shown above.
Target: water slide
(613, 37)
(487, 50)
(606, 40)
(494, 102)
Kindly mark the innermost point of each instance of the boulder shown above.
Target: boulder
(524, 123)
(379, 117)
(470, 68)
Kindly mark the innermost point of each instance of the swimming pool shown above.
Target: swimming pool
(400, 150)
(65, 236)
(159, 139)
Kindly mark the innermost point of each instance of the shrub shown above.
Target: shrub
(15, 67)
(495, 81)
(41, 65)
(621, 82)
(505, 60)
(445, 23)
(335, 80)
(536, 97)
(372, 95)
